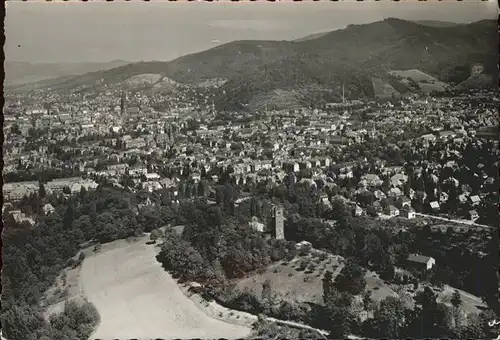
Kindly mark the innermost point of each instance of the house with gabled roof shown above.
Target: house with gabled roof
(395, 192)
(391, 211)
(407, 212)
(420, 262)
(434, 205)
(473, 215)
(475, 200)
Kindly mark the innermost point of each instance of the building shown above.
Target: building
(279, 223)
(48, 209)
(434, 205)
(358, 211)
(420, 262)
(395, 192)
(475, 200)
(303, 247)
(256, 225)
(152, 177)
(74, 184)
(473, 215)
(16, 191)
(407, 212)
(403, 202)
(391, 211)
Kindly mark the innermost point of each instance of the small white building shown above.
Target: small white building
(426, 262)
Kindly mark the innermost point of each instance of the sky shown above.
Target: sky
(74, 31)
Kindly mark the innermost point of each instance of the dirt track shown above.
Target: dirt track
(136, 298)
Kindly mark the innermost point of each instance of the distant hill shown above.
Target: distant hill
(311, 37)
(432, 23)
(313, 69)
(18, 73)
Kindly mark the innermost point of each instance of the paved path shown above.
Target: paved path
(297, 325)
(217, 311)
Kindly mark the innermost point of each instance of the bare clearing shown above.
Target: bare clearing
(426, 82)
(143, 79)
(136, 298)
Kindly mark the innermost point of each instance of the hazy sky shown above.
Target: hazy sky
(102, 31)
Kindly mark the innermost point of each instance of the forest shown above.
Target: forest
(34, 255)
(217, 245)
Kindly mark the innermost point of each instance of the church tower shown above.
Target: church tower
(123, 104)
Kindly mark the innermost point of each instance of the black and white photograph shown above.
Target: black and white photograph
(250, 170)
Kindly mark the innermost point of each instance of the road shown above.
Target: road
(467, 222)
(460, 221)
(297, 325)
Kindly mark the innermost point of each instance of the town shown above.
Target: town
(428, 156)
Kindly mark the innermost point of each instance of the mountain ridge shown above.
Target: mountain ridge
(352, 56)
(23, 72)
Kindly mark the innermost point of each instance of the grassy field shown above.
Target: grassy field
(470, 303)
(301, 279)
(136, 298)
(426, 82)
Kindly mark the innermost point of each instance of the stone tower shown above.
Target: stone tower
(279, 225)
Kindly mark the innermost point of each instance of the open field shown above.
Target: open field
(306, 285)
(136, 298)
(470, 303)
(426, 82)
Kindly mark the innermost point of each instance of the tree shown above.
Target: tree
(255, 208)
(201, 188)
(155, 235)
(41, 191)
(14, 129)
(426, 298)
(351, 279)
(456, 299)
(83, 192)
(266, 289)
(69, 216)
(339, 320)
(389, 318)
(67, 190)
(367, 300)
(327, 286)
